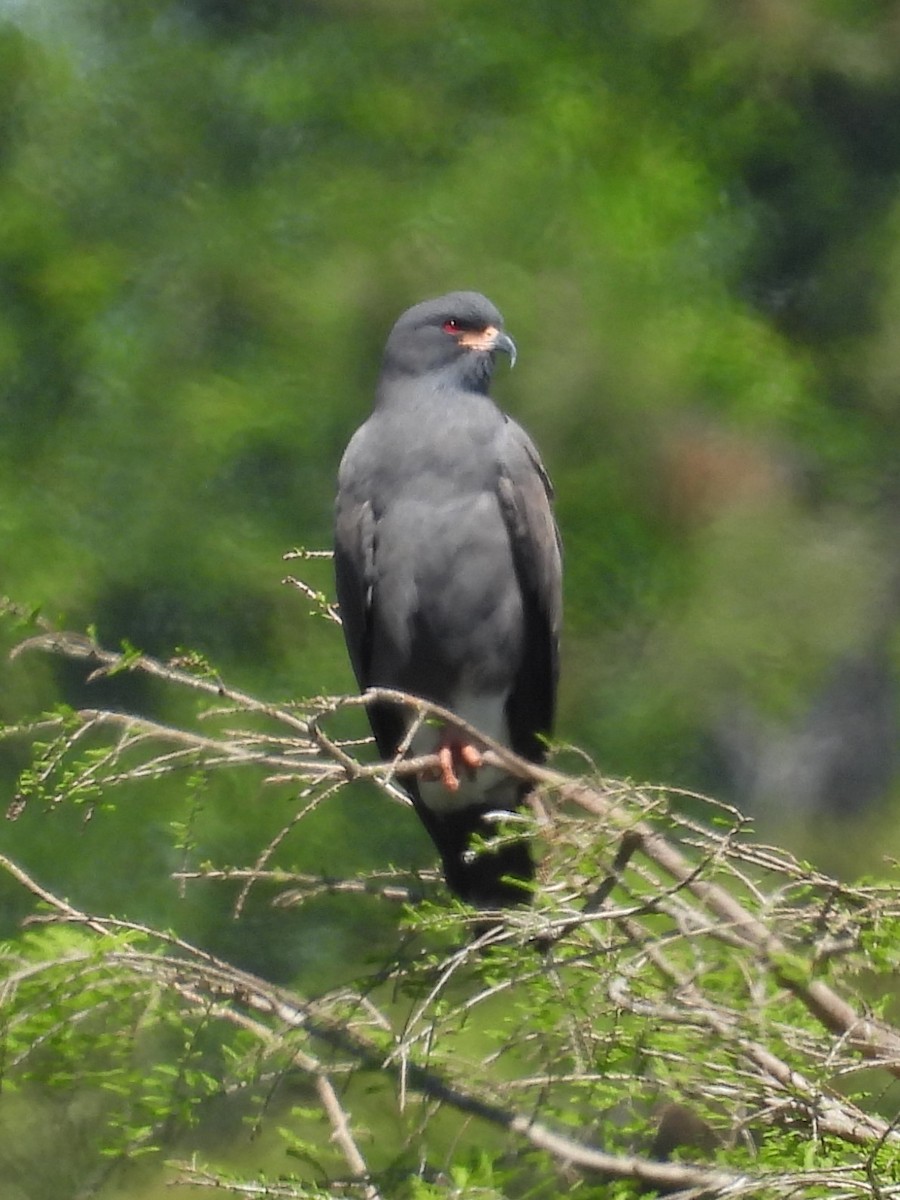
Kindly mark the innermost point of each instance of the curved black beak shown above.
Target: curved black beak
(491, 339)
(502, 341)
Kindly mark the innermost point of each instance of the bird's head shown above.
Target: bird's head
(458, 334)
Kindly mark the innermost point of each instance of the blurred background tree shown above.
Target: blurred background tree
(212, 211)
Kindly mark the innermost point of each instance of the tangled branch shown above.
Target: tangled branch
(642, 904)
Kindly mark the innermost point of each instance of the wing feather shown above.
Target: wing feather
(354, 566)
(526, 499)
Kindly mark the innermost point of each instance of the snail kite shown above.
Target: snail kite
(448, 568)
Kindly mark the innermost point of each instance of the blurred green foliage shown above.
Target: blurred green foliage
(211, 212)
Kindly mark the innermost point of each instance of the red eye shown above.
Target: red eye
(450, 326)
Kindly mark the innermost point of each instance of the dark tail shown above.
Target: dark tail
(483, 878)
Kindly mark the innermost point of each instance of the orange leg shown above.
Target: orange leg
(471, 755)
(449, 778)
(454, 755)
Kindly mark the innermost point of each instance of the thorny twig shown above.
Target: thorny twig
(231, 995)
(675, 876)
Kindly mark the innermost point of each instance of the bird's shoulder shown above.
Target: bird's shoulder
(520, 458)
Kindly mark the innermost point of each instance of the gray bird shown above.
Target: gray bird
(448, 570)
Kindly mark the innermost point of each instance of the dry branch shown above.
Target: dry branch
(201, 978)
(651, 876)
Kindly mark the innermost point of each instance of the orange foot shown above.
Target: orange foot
(454, 755)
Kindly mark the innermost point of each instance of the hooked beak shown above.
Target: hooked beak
(492, 339)
(504, 342)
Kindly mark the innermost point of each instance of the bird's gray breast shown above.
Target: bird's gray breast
(447, 609)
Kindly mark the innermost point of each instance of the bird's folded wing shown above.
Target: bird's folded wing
(525, 494)
(354, 566)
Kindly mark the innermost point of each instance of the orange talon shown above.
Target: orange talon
(471, 755)
(449, 777)
(453, 756)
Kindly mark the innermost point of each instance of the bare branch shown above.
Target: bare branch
(636, 904)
